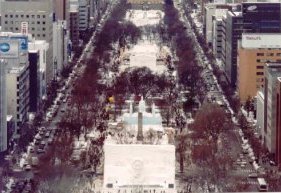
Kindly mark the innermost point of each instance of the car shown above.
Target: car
(62, 110)
(31, 150)
(50, 141)
(47, 134)
(27, 167)
(253, 175)
(39, 151)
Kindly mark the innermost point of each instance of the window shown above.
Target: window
(278, 54)
(16, 16)
(43, 29)
(33, 16)
(27, 16)
(259, 73)
(6, 22)
(259, 67)
(6, 15)
(44, 16)
(269, 54)
(38, 22)
(11, 16)
(38, 16)
(21, 16)
(260, 54)
(43, 22)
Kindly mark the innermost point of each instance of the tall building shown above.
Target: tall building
(3, 107)
(254, 51)
(73, 25)
(272, 72)
(39, 16)
(231, 33)
(217, 32)
(17, 76)
(261, 17)
(34, 80)
(84, 13)
(62, 10)
(278, 123)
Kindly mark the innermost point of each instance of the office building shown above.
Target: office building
(39, 16)
(278, 123)
(62, 10)
(210, 10)
(17, 91)
(41, 47)
(260, 112)
(73, 25)
(272, 72)
(34, 81)
(231, 33)
(217, 32)
(3, 107)
(17, 74)
(261, 17)
(255, 50)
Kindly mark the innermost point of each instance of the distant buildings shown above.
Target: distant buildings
(278, 122)
(39, 15)
(146, 4)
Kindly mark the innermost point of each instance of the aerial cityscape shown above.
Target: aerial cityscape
(140, 96)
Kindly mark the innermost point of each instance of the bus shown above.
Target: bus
(262, 185)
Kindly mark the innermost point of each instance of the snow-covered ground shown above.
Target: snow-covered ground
(143, 18)
(145, 54)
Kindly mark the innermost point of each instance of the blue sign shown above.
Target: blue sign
(4, 47)
(23, 42)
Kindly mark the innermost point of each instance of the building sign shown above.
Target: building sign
(9, 48)
(23, 42)
(256, 40)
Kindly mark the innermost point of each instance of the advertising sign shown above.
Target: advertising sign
(23, 42)
(261, 40)
(9, 48)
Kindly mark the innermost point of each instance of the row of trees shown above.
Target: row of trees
(183, 45)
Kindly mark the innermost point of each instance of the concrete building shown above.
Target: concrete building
(217, 32)
(255, 50)
(84, 13)
(39, 15)
(208, 13)
(34, 81)
(3, 108)
(261, 17)
(41, 47)
(62, 8)
(260, 113)
(272, 72)
(231, 33)
(60, 46)
(278, 123)
(17, 91)
(17, 77)
(73, 25)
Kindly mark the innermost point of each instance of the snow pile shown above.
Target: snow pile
(143, 18)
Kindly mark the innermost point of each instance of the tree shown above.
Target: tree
(181, 147)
